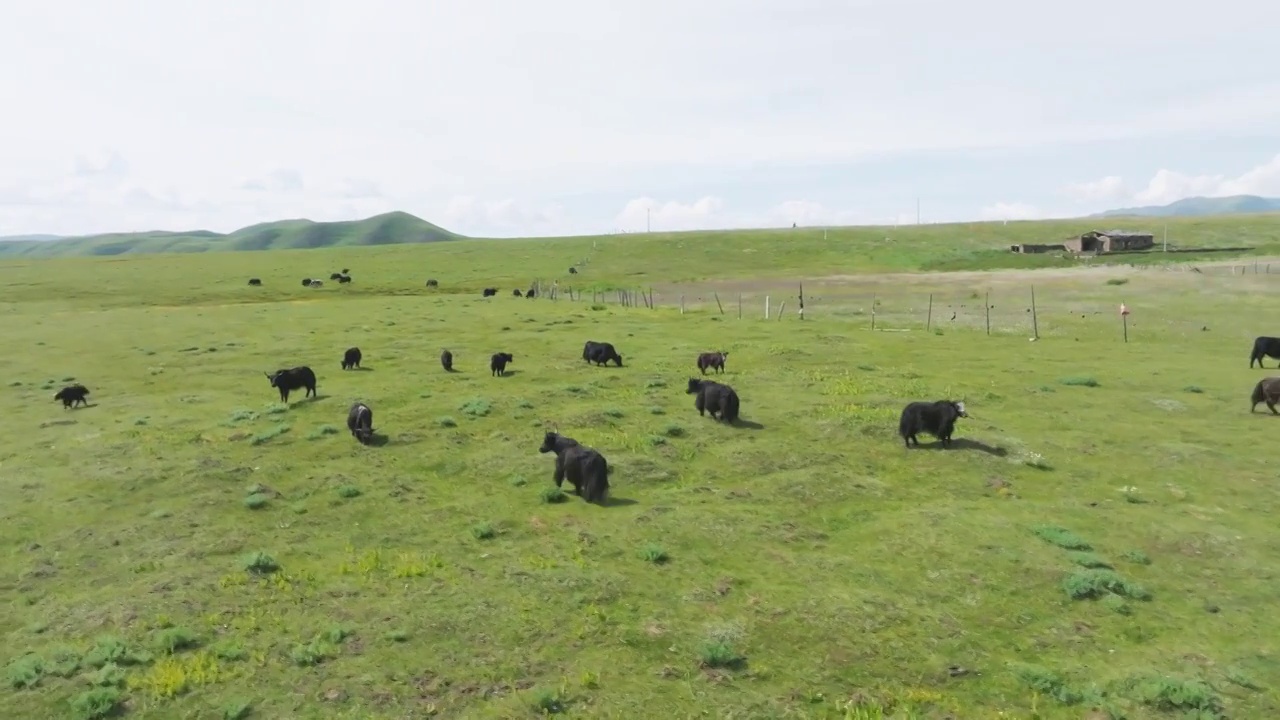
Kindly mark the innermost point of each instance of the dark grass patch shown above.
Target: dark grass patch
(1098, 582)
(1080, 382)
(1060, 537)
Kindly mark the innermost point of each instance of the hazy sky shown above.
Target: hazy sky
(502, 117)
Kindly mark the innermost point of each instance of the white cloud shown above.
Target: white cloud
(1167, 186)
(646, 213)
(470, 215)
(1011, 211)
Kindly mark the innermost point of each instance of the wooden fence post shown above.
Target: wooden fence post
(766, 307)
(739, 306)
(1035, 322)
(873, 311)
(928, 318)
(987, 304)
(717, 296)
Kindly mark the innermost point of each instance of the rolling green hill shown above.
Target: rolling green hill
(1200, 206)
(393, 228)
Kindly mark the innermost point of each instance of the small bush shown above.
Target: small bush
(656, 440)
(613, 413)
(398, 636)
(236, 710)
(518, 481)
(548, 702)
(322, 431)
(654, 554)
(673, 431)
(655, 410)
(174, 639)
(256, 501)
(1118, 281)
(260, 563)
(1098, 582)
(102, 702)
(1117, 604)
(1080, 382)
(446, 422)
(1046, 682)
(1174, 695)
(270, 434)
(229, 650)
(483, 531)
(276, 409)
(1194, 389)
(476, 407)
(1088, 560)
(25, 671)
(1136, 556)
(111, 649)
(553, 495)
(1061, 537)
(525, 405)
(348, 491)
(62, 662)
(719, 654)
(109, 675)
(242, 415)
(312, 653)
(655, 383)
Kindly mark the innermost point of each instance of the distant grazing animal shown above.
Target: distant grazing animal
(286, 381)
(335, 276)
(360, 422)
(573, 271)
(936, 418)
(344, 279)
(712, 360)
(1264, 347)
(714, 398)
(255, 281)
(490, 292)
(584, 467)
(433, 283)
(516, 292)
(498, 363)
(351, 358)
(1268, 391)
(346, 270)
(306, 282)
(531, 293)
(588, 349)
(72, 395)
(446, 360)
(317, 283)
(601, 353)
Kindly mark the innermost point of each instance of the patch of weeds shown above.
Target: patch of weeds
(1193, 389)
(1097, 582)
(655, 410)
(525, 405)
(656, 440)
(159, 514)
(446, 422)
(613, 413)
(109, 675)
(1117, 604)
(260, 563)
(270, 434)
(1136, 556)
(275, 409)
(673, 431)
(483, 531)
(335, 635)
(111, 649)
(312, 653)
(1118, 281)
(719, 654)
(1080, 382)
(1131, 495)
(654, 554)
(598, 306)
(256, 501)
(140, 421)
(1239, 677)
(1034, 460)
(102, 702)
(398, 636)
(553, 495)
(236, 710)
(518, 481)
(1088, 560)
(655, 383)
(348, 491)
(322, 431)
(63, 662)
(243, 415)
(549, 702)
(575, 389)
(25, 671)
(229, 650)
(174, 639)
(1061, 537)
(1046, 682)
(1176, 695)
(476, 407)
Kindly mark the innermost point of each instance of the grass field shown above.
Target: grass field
(1103, 536)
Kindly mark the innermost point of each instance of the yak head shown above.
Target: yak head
(549, 442)
(274, 377)
(959, 406)
(694, 386)
(364, 435)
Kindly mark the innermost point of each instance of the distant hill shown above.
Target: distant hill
(1200, 206)
(389, 229)
(29, 238)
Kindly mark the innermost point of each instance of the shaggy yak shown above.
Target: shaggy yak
(255, 281)
(712, 360)
(306, 282)
(351, 358)
(72, 395)
(1264, 347)
(936, 418)
(360, 422)
(714, 398)
(433, 283)
(446, 361)
(600, 353)
(498, 363)
(286, 381)
(1266, 391)
(516, 293)
(585, 468)
(334, 276)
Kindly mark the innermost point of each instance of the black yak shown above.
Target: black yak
(601, 353)
(317, 283)
(1264, 347)
(306, 282)
(573, 271)
(344, 279)
(346, 270)
(936, 418)
(433, 283)
(533, 292)
(714, 398)
(446, 361)
(360, 422)
(334, 276)
(498, 363)
(255, 281)
(712, 360)
(585, 468)
(351, 358)
(490, 292)
(1266, 391)
(72, 395)
(286, 381)
(516, 293)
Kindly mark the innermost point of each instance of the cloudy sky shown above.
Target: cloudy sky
(508, 118)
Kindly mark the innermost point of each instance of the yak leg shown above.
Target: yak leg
(559, 474)
(701, 404)
(1271, 405)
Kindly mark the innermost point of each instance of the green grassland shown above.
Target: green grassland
(1103, 535)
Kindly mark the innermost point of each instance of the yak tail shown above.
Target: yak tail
(731, 408)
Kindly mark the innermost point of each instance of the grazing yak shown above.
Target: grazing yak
(533, 292)
(490, 292)
(1266, 391)
(584, 467)
(317, 283)
(360, 422)
(351, 358)
(714, 398)
(712, 360)
(334, 276)
(573, 271)
(433, 283)
(286, 381)
(600, 353)
(516, 293)
(72, 395)
(1264, 347)
(446, 361)
(346, 270)
(498, 363)
(936, 418)
(255, 281)
(344, 279)
(306, 282)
